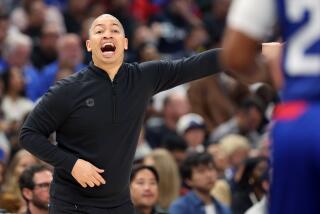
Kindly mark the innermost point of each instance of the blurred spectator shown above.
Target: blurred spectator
(195, 42)
(120, 9)
(97, 8)
(10, 197)
(144, 188)
(14, 104)
(60, 4)
(221, 189)
(33, 14)
(199, 174)
(264, 146)
(261, 207)
(174, 106)
(75, 14)
(169, 184)
(192, 128)
(64, 70)
(268, 97)
(171, 25)
(216, 98)
(148, 52)
(248, 190)
(143, 147)
(220, 159)
(142, 35)
(2, 172)
(34, 184)
(84, 37)
(5, 147)
(177, 146)
(236, 148)
(4, 26)
(69, 53)
(215, 20)
(143, 9)
(45, 51)
(246, 121)
(21, 45)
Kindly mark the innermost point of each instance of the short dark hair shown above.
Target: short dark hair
(137, 168)
(26, 178)
(174, 142)
(194, 160)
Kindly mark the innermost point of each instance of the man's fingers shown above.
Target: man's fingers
(90, 183)
(96, 181)
(99, 170)
(84, 185)
(99, 178)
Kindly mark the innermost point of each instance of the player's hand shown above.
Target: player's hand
(87, 174)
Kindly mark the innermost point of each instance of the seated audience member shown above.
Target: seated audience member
(199, 174)
(262, 206)
(177, 146)
(236, 148)
(144, 188)
(10, 196)
(247, 190)
(247, 121)
(34, 184)
(174, 106)
(170, 184)
(192, 128)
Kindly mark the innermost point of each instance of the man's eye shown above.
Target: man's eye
(98, 32)
(115, 31)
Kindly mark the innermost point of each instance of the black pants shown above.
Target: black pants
(61, 207)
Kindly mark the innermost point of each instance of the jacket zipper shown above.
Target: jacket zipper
(114, 101)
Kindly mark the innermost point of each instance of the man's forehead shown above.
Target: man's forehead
(106, 18)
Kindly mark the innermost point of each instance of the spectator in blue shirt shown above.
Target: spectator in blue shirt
(69, 52)
(17, 54)
(199, 173)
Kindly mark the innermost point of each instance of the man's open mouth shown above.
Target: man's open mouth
(108, 47)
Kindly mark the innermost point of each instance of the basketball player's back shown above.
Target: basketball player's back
(295, 183)
(296, 138)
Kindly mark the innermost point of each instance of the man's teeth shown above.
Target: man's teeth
(108, 44)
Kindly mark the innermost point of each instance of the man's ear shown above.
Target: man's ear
(27, 193)
(126, 44)
(88, 45)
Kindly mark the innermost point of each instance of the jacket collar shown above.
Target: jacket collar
(101, 73)
(198, 202)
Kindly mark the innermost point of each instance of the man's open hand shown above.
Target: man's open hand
(87, 174)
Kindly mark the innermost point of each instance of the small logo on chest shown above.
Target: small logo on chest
(90, 102)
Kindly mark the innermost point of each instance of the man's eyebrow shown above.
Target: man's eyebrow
(115, 24)
(98, 25)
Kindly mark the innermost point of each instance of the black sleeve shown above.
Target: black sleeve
(47, 117)
(168, 74)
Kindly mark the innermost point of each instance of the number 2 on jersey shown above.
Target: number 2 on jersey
(298, 62)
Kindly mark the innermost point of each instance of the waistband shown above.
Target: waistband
(289, 110)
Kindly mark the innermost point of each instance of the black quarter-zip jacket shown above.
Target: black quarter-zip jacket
(99, 120)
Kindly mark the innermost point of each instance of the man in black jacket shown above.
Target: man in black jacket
(97, 114)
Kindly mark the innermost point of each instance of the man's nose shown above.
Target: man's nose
(107, 34)
(147, 187)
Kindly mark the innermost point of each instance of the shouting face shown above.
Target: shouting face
(107, 41)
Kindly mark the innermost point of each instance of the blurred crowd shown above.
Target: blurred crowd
(208, 138)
